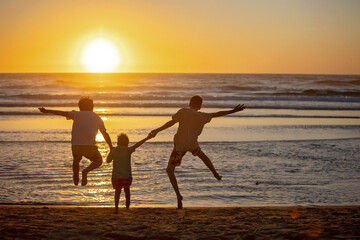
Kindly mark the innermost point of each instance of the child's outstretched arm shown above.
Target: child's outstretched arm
(55, 112)
(138, 144)
(238, 108)
(163, 127)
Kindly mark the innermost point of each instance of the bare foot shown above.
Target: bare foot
(180, 202)
(84, 178)
(76, 179)
(217, 176)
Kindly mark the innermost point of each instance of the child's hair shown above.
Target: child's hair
(123, 139)
(86, 104)
(196, 102)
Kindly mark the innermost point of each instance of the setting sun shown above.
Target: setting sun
(100, 55)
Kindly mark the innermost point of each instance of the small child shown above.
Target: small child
(121, 173)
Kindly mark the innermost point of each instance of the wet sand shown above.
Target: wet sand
(54, 222)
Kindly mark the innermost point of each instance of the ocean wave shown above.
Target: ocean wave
(46, 96)
(166, 97)
(256, 91)
(104, 114)
(238, 88)
(339, 82)
(160, 143)
(296, 106)
(320, 93)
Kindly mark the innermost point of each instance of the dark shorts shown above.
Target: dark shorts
(90, 152)
(176, 156)
(119, 183)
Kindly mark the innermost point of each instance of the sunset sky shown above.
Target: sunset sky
(262, 36)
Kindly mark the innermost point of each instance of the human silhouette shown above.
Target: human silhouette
(121, 172)
(85, 126)
(191, 123)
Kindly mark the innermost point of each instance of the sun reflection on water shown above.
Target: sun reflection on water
(103, 183)
(102, 111)
(97, 190)
(100, 195)
(99, 137)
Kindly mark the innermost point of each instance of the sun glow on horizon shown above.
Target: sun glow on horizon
(100, 55)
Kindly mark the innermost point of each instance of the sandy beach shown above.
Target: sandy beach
(54, 222)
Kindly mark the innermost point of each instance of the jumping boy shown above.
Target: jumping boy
(85, 127)
(191, 123)
(121, 173)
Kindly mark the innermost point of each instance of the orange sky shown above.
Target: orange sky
(320, 36)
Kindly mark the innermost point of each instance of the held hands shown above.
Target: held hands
(239, 108)
(43, 110)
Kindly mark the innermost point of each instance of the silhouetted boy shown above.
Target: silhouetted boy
(121, 173)
(191, 123)
(85, 127)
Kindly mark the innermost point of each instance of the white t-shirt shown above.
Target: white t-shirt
(191, 124)
(85, 127)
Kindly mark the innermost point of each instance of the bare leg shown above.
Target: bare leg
(127, 196)
(171, 173)
(209, 164)
(117, 198)
(95, 164)
(76, 169)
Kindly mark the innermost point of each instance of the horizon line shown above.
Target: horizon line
(347, 74)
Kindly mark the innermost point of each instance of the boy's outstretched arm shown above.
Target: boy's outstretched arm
(55, 112)
(163, 127)
(238, 108)
(138, 144)
(107, 138)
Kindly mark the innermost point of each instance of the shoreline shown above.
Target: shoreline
(173, 206)
(273, 222)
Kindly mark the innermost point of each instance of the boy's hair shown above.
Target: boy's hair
(123, 139)
(196, 102)
(86, 104)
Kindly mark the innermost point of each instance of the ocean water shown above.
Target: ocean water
(297, 143)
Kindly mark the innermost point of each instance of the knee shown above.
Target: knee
(201, 154)
(76, 160)
(117, 191)
(170, 170)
